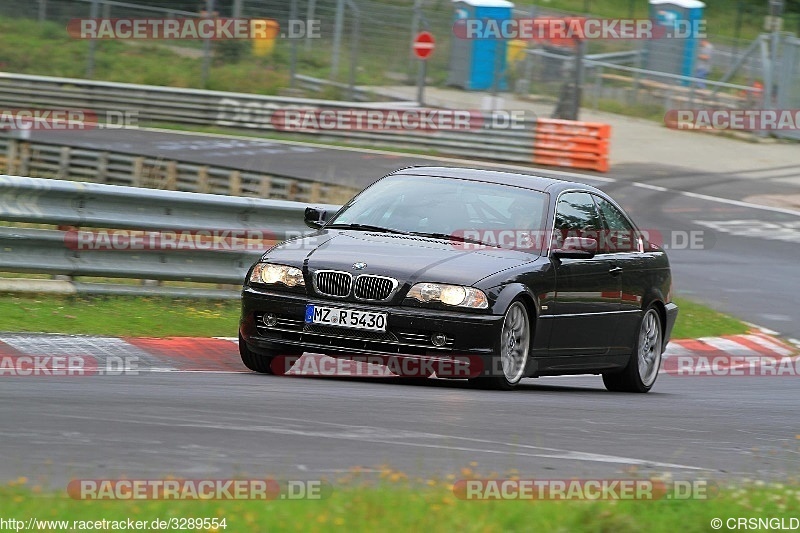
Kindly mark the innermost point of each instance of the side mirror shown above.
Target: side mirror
(315, 217)
(576, 248)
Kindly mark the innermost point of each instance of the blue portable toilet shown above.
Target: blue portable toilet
(475, 63)
(675, 55)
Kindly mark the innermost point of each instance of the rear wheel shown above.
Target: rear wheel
(645, 362)
(514, 347)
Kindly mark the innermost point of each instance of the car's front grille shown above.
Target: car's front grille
(374, 287)
(333, 283)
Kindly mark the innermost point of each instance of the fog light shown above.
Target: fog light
(269, 320)
(438, 339)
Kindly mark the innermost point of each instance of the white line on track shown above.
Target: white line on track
(369, 434)
(717, 199)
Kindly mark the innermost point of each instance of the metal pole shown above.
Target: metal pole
(337, 38)
(312, 5)
(737, 31)
(93, 13)
(496, 71)
(42, 10)
(767, 67)
(354, 48)
(776, 10)
(293, 47)
(414, 30)
(422, 74)
(237, 9)
(579, 75)
(207, 46)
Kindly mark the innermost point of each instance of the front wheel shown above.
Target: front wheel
(253, 361)
(514, 347)
(642, 370)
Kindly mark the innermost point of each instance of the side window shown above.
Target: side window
(620, 235)
(576, 216)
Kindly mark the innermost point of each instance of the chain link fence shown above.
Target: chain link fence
(338, 45)
(788, 83)
(355, 42)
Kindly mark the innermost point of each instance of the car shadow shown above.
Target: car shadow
(528, 385)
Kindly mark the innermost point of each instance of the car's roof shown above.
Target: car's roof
(528, 181)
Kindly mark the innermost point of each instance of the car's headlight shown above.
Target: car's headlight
(273, 274)
(449, 294)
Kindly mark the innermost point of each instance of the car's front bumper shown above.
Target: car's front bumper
(408, 331)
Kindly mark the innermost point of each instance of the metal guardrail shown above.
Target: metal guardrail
(316, 85)
(71, 205)
(45, 160)
(153, 105)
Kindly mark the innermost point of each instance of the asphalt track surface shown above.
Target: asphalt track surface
(220, 424)
(199, 425)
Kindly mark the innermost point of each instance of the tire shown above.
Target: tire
(514, 346)
(642, 370)
(253, 361)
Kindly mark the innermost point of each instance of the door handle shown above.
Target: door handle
(615, 271)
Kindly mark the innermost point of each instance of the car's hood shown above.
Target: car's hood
(406, 258)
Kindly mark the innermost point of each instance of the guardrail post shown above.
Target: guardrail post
(63, 163)
(202, 179)
(102, 167)
(172, 176)
(235, 183)
(24, 159)
(266, 186)
(314, 194)
(137, 172)
(11, 156)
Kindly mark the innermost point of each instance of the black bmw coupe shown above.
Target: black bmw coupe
(518, 275)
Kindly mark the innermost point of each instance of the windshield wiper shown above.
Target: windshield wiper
(367, 227)
(454, 237)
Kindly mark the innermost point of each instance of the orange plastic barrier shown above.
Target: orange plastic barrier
(571, 143)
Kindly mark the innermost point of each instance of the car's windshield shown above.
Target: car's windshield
(490, 213)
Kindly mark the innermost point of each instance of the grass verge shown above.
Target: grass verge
(119, 316)
(167, 317)
(407, 507)
(697, 320)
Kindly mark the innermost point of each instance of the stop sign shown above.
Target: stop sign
(423, 45)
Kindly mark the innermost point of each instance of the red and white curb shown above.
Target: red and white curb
(21, 352)
(758, 353)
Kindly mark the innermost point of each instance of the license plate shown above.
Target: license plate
(345, 318)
